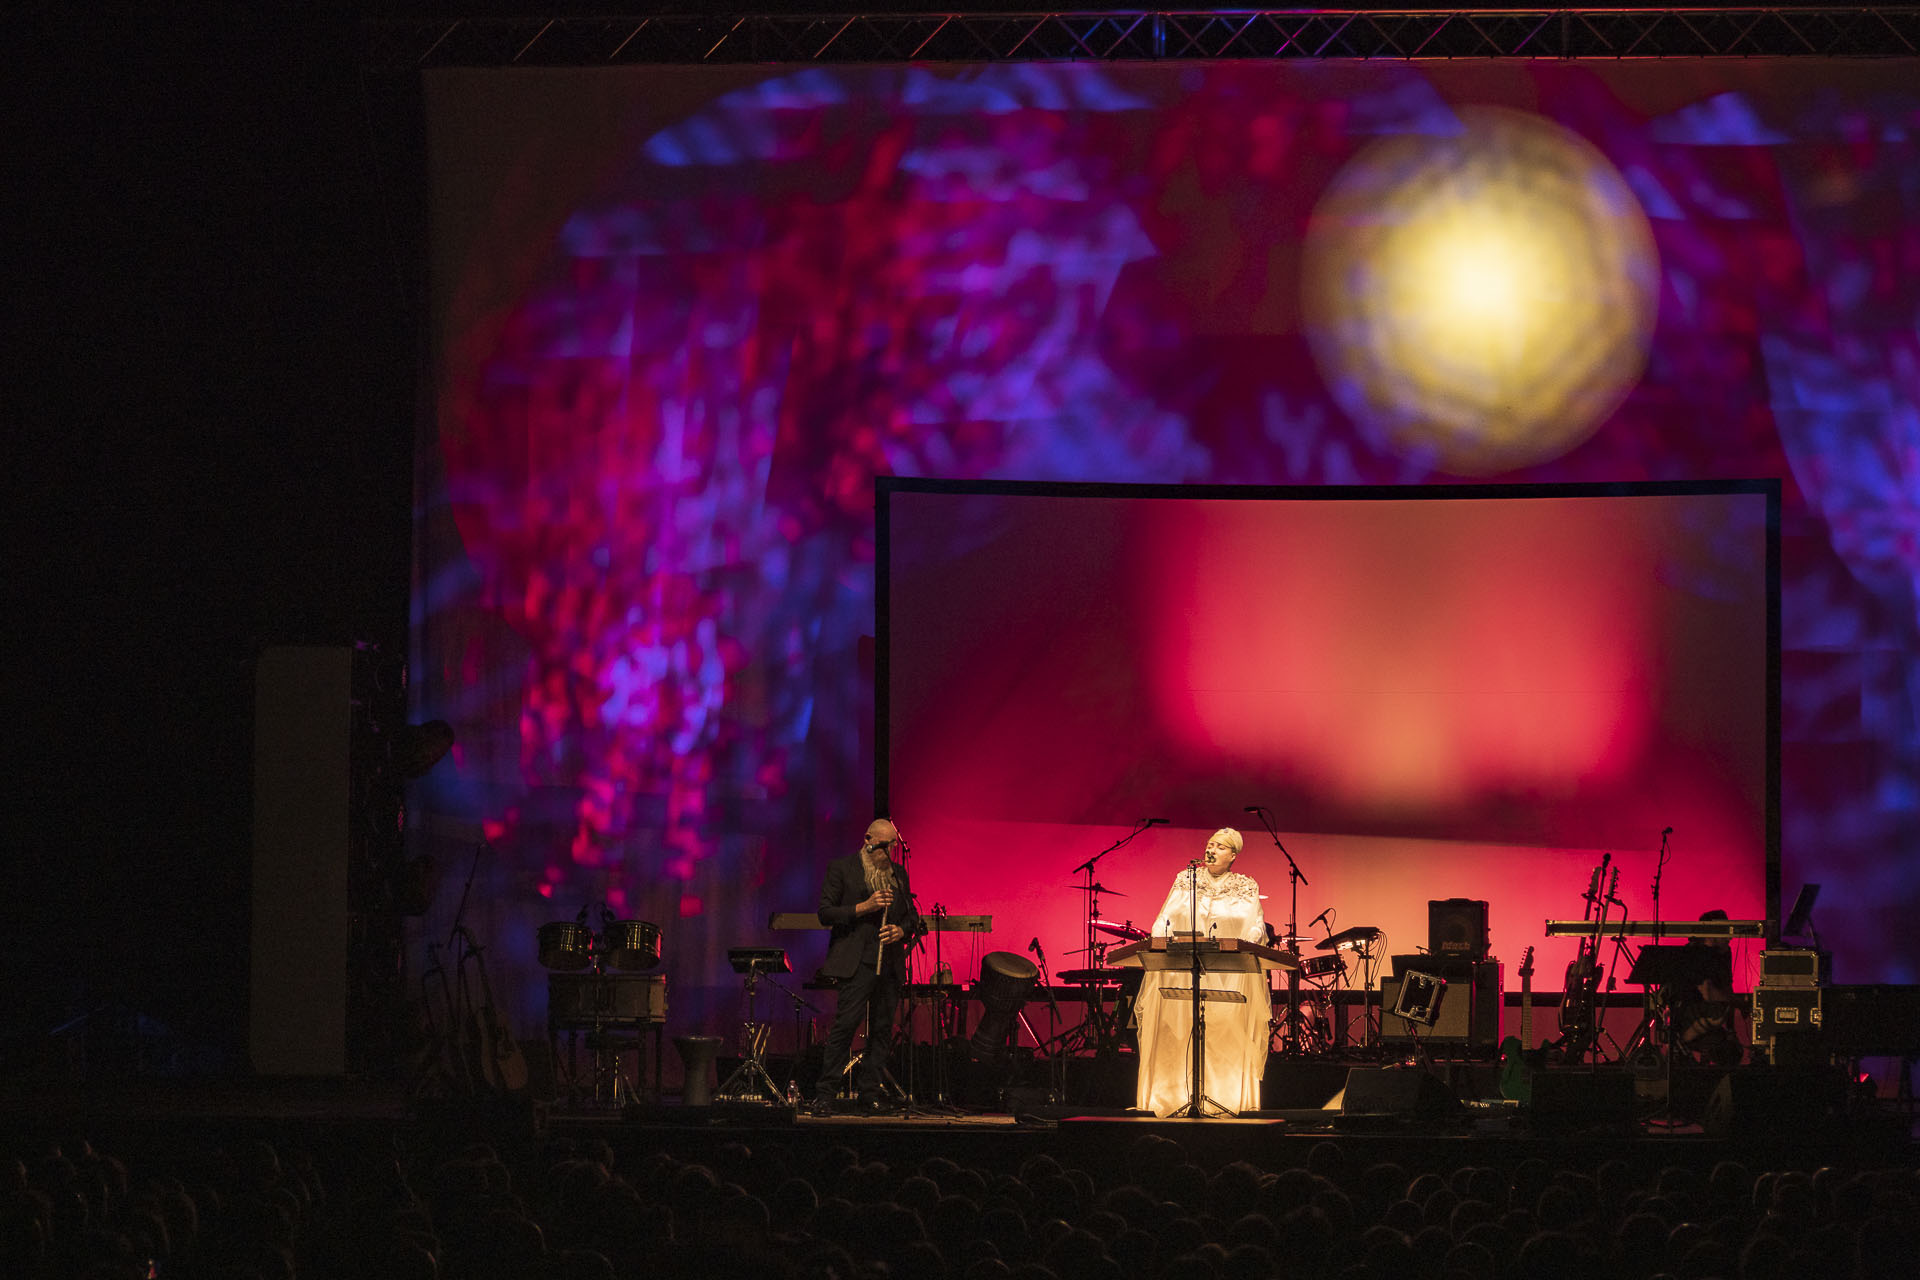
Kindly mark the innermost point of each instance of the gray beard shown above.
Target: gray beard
(878, 868)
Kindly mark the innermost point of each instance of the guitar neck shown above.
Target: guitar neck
(1526, 1011)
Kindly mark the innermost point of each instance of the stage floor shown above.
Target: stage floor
(1754, 1110)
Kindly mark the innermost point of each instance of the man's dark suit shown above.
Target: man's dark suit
(851, 954)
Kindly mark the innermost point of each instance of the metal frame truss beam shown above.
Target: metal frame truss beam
(396, 45)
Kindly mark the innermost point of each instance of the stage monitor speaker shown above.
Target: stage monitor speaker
(1771, 1102)
(1457, 927)
(1395, 1091)
(1584, 1097)
(1469, 1012)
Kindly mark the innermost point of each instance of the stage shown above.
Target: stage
(1411, 1115)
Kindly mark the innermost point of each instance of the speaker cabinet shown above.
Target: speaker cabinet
(1457, 927)
(303, 702)
(1395, 1091)
(1469, 1012)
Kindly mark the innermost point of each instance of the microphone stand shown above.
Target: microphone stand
(907, 941)
(1056, 1060)
(1197, 1099)
(1295, 879)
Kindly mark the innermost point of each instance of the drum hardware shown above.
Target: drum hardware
(595, 985)
(1292, 1027)
(614, 1011)
(1104, 1028)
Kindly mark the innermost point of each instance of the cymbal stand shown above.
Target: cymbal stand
(1292, 1027)
(1095, 948)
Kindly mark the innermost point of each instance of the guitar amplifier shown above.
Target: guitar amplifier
(1469, 1012)
(1792, 1010)
(1794, 967)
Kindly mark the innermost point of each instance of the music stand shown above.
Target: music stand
(1665, 968)
(1800, 919)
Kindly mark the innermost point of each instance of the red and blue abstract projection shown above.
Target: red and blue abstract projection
(684, 318)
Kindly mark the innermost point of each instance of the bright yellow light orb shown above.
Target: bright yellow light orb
(1484, 299)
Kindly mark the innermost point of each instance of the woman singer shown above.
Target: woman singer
(1214, 901)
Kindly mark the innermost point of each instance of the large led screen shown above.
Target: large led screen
(1434, 695)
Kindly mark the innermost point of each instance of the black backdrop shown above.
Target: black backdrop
(212, 282)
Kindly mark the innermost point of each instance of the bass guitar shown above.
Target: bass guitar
(1517, 1057)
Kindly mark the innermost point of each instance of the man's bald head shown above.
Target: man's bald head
(881, 834)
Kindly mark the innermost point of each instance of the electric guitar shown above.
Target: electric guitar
(1579, 1004)
(1516, 1055)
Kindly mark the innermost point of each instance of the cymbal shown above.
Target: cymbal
(1092, 976)
(1126, 931)
(1288, 941)
(1359, 935)
(1099, 888)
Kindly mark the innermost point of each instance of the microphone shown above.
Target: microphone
(1317, 919)
(1153, 822)
(1034, 946)
(1253, 808)
(1667, 832)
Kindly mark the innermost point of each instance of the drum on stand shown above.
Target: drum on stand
(1322, 966)
(565, 945)
(630, 945)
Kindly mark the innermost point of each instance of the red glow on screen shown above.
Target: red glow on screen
(1436, 698)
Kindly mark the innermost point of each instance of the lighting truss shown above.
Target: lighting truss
(397, 45)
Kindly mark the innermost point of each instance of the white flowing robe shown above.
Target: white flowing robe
(1237, 1033)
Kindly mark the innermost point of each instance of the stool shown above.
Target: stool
(698, 1055)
